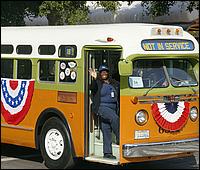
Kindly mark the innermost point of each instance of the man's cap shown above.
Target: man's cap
(103, 67)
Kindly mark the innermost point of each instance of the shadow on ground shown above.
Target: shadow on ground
(178, 163)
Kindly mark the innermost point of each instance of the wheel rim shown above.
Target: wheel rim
(54, 144)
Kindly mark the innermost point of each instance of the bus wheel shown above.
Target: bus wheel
(55, 145)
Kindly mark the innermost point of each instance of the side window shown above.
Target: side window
(47, 70)
(24, 69)
(7, 68)
(46, 49)
(24, 49)
(7, 49)
(68, 71)
(67, 51)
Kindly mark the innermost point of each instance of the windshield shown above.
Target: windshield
(154, 73)
(180, 73)
(148, 73)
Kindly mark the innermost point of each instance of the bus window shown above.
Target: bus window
(148, 73)
(181, 73)
(24, 49)
(68, 71)
(6, 68)
(109, 58)
(24, 69)
(67, 51)
(47, 70)
(46, 49)
(7, 49)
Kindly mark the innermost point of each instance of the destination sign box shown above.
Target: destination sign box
(167, 45)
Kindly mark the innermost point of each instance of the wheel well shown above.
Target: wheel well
(44, 116)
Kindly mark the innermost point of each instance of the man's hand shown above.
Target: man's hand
(93, 73)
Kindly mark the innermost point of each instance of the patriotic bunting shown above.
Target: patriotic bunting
(16, 96)
(171, 116)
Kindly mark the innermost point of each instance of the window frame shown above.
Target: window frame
(74, 69)
(7, 45)
(39, 66)
(30, 69)
(134, 61)
(45, 46)
(13, 68)
(67, 56)
(27, 53)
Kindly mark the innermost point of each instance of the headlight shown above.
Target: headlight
(193, 113)
(141, 117)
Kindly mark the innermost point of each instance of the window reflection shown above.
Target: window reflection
(181, 73)
(151, 72)
(154, 73)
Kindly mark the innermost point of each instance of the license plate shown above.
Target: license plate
(141, 134)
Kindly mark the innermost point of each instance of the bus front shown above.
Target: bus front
(159, 100)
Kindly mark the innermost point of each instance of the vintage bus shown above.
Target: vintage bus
(46, 96)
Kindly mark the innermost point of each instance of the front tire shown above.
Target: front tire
(55, 145)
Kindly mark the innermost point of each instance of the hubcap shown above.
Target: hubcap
(54, 144)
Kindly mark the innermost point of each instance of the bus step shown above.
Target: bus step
(100, 159)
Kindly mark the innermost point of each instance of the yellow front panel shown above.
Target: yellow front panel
(128, 127)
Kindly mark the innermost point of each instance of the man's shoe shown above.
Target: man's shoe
(109, 156)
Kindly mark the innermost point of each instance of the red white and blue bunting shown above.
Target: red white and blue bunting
(16, 96)
(171, 116)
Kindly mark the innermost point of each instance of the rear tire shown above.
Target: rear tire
(55, 145)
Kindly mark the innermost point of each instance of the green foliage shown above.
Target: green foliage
(112, 6)
(75, 12)
(193, 5)
(159, 8)
(64, 12)
(72, 12)
(13, 12)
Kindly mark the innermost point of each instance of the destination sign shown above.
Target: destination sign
(167, 45)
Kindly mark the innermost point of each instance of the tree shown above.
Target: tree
(159, 8)
(64, 12)
(112, 6)
(75, 12)
(72, 12)
(13, 12)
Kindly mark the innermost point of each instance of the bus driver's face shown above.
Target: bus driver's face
(104, 75)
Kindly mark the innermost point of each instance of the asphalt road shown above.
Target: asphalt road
(15, 157)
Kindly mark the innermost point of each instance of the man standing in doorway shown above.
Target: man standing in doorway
(105, 91)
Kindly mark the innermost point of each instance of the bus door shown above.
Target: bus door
(94, 139)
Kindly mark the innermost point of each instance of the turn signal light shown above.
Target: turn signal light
(134, 100)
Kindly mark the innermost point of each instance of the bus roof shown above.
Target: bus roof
(129, 36)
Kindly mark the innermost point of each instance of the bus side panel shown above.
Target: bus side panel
(43, 99)
(21, 137)
(128, 127)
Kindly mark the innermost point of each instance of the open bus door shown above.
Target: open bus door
(94, 57)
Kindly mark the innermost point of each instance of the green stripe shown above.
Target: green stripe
(77, 86)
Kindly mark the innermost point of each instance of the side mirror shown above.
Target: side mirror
(125, 68)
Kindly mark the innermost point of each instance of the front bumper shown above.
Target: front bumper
(161, 148)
